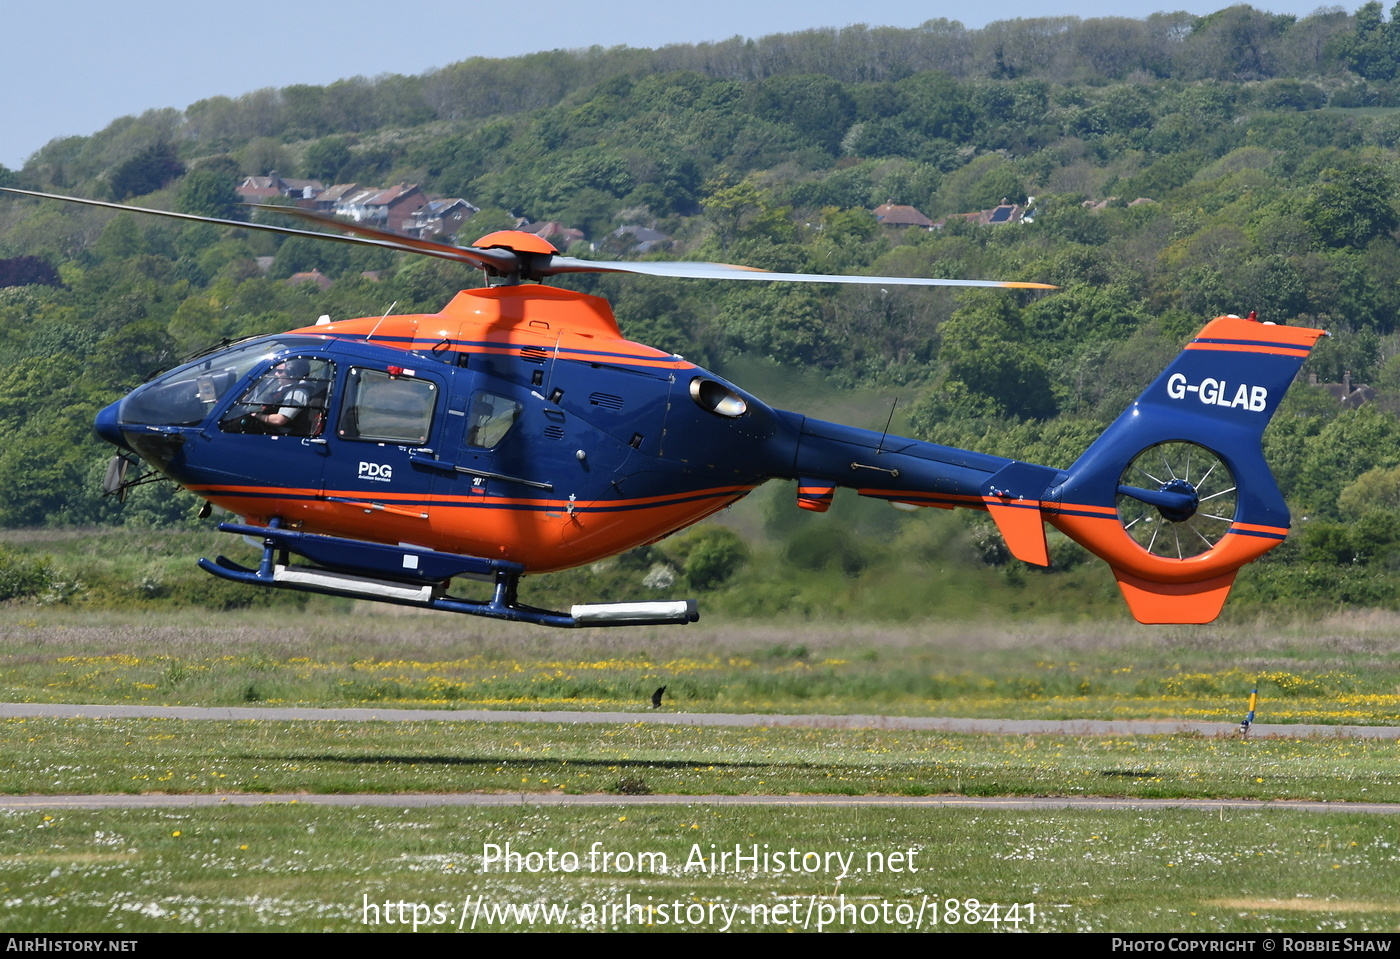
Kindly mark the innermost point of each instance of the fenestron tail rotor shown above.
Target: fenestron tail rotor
(513, 256)
(1177, 500)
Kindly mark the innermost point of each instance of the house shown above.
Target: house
(640, 239)
(901, 217)
(395, 208)
(553, 231)
(1349, 394)
(1003, 212)
(441, 218)
(259, 189)
(391, 209)
(400, 209)
(301, 189)
(311, 276)
(354, 205)
(327, 200)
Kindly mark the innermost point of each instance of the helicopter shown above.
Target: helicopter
(517, 431)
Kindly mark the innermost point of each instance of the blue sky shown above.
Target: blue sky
(72, 67)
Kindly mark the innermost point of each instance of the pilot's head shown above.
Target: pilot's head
(297, 368)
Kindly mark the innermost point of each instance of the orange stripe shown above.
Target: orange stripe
(1016, 502)
(1252, 528)
(1236, 328)
(474, 499)
(1106, 511)
(615, 357)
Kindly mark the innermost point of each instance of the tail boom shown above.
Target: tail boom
(1174, 533)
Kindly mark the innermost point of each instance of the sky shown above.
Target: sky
(72, 66)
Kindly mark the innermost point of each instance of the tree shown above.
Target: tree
(208, 193)
(122, 237)
(220, 163)
(990, 367)
(710, 555)
(28, 271)
(1372, 47)
(1377, 488)
(325, 158)
(817, 106)
(147, 171)
(1355, 442)
(742, 209)
(782, 323)
(1351, 207)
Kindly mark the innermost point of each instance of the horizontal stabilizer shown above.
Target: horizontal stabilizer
(1183, 603)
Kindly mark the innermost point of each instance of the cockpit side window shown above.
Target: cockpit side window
(491, 418)
(290, 399)
(384, 408)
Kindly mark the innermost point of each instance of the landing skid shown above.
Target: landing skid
(408, 576)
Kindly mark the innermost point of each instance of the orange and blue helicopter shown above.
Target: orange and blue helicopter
(518, 431)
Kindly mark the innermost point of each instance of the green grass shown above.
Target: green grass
(51, 756)
(1329, 672)
(307, 869)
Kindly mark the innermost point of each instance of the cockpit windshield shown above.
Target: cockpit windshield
(186, 395)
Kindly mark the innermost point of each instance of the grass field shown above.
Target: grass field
(311, 869)
(303, 868)
(1342, 671)
(182, 756)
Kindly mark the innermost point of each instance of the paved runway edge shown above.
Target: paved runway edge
(1010, 727)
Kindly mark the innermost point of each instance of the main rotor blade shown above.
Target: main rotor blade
(502, 261)
(695, 270)
(496, 261)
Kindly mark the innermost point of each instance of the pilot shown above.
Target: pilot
(288, 396)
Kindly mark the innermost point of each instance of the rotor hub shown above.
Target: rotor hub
(1177, 499)
(1180, 514)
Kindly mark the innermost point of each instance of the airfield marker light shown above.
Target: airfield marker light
(1249, 719)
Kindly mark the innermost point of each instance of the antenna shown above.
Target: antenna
(881, 448)
(381, 320)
